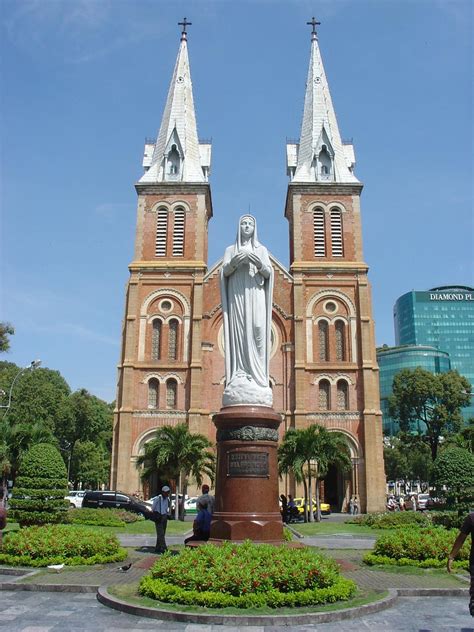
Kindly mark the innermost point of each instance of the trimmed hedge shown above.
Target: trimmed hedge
(427, 548)
(246, 575)
(392, 520)
(40, 487)
(59, 544)
(447, 519)
(102, 517)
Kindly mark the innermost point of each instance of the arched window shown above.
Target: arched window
(173, 339)
(340, 331)
(337, 246)
(161, 232)
(171, 394)
(319, 233)
(178, 233)
(342, 395)
(323, 336)
(156, 340)
(324, 395)
(153, 393)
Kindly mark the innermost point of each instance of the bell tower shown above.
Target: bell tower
(160, 369)
(336, 372)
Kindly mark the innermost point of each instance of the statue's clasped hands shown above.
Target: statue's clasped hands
(244, 257)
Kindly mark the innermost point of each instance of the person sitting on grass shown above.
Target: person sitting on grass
(201, 524)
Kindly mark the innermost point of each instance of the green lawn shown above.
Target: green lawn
(326, 527)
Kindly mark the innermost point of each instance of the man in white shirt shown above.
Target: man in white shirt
(160, 511)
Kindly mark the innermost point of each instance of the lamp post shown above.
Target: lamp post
(34, 364)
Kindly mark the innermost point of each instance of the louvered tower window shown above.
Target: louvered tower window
(156, 340)
(319, 233)
(336, 233)
(323, 336)
(178, 233)
(153, 390)
(340, 341)
(342, 395)
(324, 395)
(161, 232)
(173, 340)
(171, 394)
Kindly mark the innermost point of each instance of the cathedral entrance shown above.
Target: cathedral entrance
(336, 489)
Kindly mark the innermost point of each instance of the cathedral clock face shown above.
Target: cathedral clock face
(180, 79)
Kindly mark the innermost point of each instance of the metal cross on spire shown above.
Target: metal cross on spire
(184, 24)
(314, 23)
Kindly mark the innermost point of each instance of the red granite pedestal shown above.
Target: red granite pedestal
(246, 506)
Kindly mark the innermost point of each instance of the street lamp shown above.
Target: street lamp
(34, 364)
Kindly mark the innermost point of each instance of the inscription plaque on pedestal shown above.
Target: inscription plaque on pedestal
(247, 465)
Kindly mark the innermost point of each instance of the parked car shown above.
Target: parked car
(109, 499)
(325, 508)
(75, 498)
(190, 505)
(423, 501)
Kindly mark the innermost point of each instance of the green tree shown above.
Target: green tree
(90, 465)
(429, 404)
(291, 461)
(6, 330)
(40, 487)
(453, 475)
(315, 450)
(85, 418)
(177, 454)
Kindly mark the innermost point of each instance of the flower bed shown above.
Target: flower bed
(245, 576)
(102, 517)
(59, 544)
(392, 520)
(426, 548)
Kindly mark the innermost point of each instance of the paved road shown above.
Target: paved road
(62, 612)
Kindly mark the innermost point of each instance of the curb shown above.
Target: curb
(266, 620)
(56, 588)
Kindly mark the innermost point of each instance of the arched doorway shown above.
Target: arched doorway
(338, 486)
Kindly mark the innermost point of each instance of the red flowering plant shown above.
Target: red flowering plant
(239, 575)
(427, 548)
(59, 544)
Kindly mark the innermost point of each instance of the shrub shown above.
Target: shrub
(452, 475)
(427, 547)
(40, 487)
(246, 575)
(101, 517)
(391, 520)
(60, 544)
(447, 519)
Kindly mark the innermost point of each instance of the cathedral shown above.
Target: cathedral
(323, 367)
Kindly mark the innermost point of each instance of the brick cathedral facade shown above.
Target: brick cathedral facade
(323, 364)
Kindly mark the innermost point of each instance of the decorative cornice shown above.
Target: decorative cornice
(344, 416)
(326, 188)
(162, 414)
(175, 266)
(324, 267)
(247, 433)
(167, 188)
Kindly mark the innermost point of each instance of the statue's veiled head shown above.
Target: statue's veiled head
(247, 230)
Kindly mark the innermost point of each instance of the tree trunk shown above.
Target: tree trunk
(176, 501)
(310, 495)
(305, 512)
(318, 501)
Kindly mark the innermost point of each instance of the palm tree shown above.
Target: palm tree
(309, 453)
(178, 454)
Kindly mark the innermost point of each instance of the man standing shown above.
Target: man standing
(160, 511)
(467, 528)
(206, 499)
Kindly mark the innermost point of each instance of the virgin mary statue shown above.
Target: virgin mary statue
(246, 291)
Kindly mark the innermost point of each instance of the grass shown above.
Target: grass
(129, 593)
(326, 527)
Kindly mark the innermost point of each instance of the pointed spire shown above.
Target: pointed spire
(321, 155)
(177, 154)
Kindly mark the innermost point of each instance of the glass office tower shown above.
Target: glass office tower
(391, 360)
(442, 317)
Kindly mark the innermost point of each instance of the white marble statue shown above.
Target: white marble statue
(246, 291)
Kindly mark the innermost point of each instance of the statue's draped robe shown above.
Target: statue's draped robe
(247, 309)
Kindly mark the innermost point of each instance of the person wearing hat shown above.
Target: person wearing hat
(160, 510)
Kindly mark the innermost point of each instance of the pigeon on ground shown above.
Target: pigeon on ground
(56, 567)
(124, 569)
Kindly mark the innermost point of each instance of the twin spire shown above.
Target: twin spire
(178, 156)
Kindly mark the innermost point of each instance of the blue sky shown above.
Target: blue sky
(85, 81)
